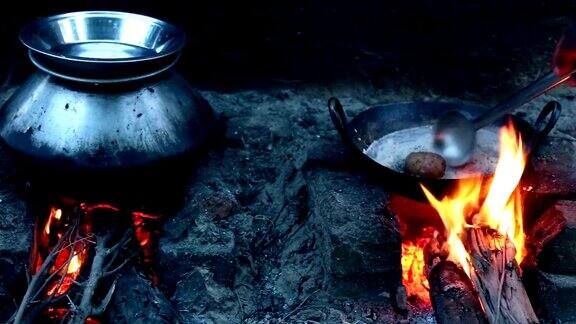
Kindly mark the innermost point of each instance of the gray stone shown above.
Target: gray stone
(557, 297)
(301, 271)
(16, 227)
(189, 243)
(136, 301)
(559, 255)
(199, 298)
(360, 239)
(287, 252)
(7, 306)
(16, 231)
(220, 205)
(554, 167)
(328, 152)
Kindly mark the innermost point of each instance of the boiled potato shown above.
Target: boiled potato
(425, 165)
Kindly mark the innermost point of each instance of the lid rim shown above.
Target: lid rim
(87, 78)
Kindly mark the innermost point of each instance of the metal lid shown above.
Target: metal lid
(102, 46)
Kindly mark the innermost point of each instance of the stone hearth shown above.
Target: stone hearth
(276, 224)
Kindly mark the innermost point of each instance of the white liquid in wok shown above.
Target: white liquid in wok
(392, 149)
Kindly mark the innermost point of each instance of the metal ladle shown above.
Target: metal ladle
(455, 135)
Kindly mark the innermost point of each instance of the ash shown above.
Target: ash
(391, 151)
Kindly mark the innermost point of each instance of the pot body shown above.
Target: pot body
(99, 127)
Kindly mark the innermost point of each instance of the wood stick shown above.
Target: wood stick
(103, 259)
(453, 296)
(495, 277)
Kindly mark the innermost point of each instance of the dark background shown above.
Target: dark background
(452, 46)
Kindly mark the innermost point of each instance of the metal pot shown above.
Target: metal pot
(106, 96)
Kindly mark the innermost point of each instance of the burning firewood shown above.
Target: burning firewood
(59, 287)
(492, 293)
(495, 276)
(33, 302)
(483, 228)
(452, 293)
(103, 265)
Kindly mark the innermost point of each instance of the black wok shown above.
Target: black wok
(382, 120)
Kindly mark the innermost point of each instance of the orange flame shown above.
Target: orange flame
(413, 263)
(55, 213)
(502, 208)
(452, 209)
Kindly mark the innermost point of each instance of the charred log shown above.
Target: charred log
(453, 296)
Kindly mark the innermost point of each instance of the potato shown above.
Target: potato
(425, 164)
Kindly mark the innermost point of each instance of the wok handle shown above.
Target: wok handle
(546, 120)
(338, 117)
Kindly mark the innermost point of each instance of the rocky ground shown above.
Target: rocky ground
(278, 225)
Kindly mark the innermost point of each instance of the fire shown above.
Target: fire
(501, 209)
(55, 213)
(413, 263)
(71, 257)
(452, 210)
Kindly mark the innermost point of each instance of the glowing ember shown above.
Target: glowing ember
(502, 208)
(413, 263)
(146, 233)
(74, 265)
(69, 268)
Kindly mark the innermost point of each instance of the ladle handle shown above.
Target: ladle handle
(537, 88)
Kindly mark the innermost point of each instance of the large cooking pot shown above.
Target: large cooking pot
(106, 95)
